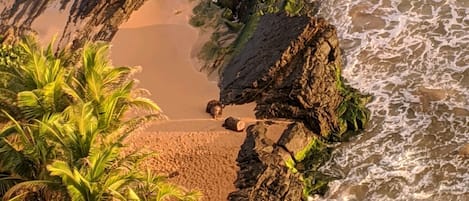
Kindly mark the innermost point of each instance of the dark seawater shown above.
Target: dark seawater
(413, 57)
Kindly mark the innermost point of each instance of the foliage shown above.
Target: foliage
(352, 112)
(293, 7)
(307, 163)
(204, 14)
(236, 21)
(64, 128)
(10, 84)
(310, 160)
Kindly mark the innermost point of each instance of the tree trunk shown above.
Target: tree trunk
(234, 124)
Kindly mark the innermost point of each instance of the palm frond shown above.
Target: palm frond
(15, 161)
(139, 122)
(29, 104)
(100, 158)
(71, 178)
(7, 181)
(32, 186)
(132, 195)
(167, 191)
(116, 76)
(145, 104)
(192, 196)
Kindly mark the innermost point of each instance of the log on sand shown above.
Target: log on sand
(234, 124)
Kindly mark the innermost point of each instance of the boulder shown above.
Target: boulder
(291, 68)
(263, 173)
(275, 170)
(214, 108)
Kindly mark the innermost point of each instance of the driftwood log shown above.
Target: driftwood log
(214, 108)
(234, 124)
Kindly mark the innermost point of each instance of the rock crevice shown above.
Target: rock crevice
(263, 173)
(289, 69)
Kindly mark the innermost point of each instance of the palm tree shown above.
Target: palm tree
(25, 152)
(33, 78)
(152, 187)
(110, 89)
(65, 140)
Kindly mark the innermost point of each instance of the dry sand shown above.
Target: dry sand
(196, 150)
(191, 147)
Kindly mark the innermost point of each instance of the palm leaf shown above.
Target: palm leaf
(31, 186)
(131, 195)
(145, 104)
(74, 181)
(29, 103)
(100, 159)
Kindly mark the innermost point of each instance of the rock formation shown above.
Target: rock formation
(87, 21)
(289, 67)
(263, 174)
(268, 169)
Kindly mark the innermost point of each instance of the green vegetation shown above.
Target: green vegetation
(64, 127)
(294, 7)
(233, 24)
(308, 161)
(352, 112)
(353, 116)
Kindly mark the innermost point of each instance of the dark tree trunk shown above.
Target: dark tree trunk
(234, 124)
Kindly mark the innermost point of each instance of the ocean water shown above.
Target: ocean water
(413, 57)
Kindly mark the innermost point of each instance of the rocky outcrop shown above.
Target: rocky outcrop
(87, 20)
(263, 172)
(268, 169)
(289, 67)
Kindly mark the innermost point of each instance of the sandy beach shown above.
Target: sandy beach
(192, 147)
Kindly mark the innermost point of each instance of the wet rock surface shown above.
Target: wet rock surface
(263, 173)
(274, 170)
(289, 67)
(87, 20)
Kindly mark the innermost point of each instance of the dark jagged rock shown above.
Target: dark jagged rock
(263, 172)
(87, 21)
(276, 170)
(289, 67)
